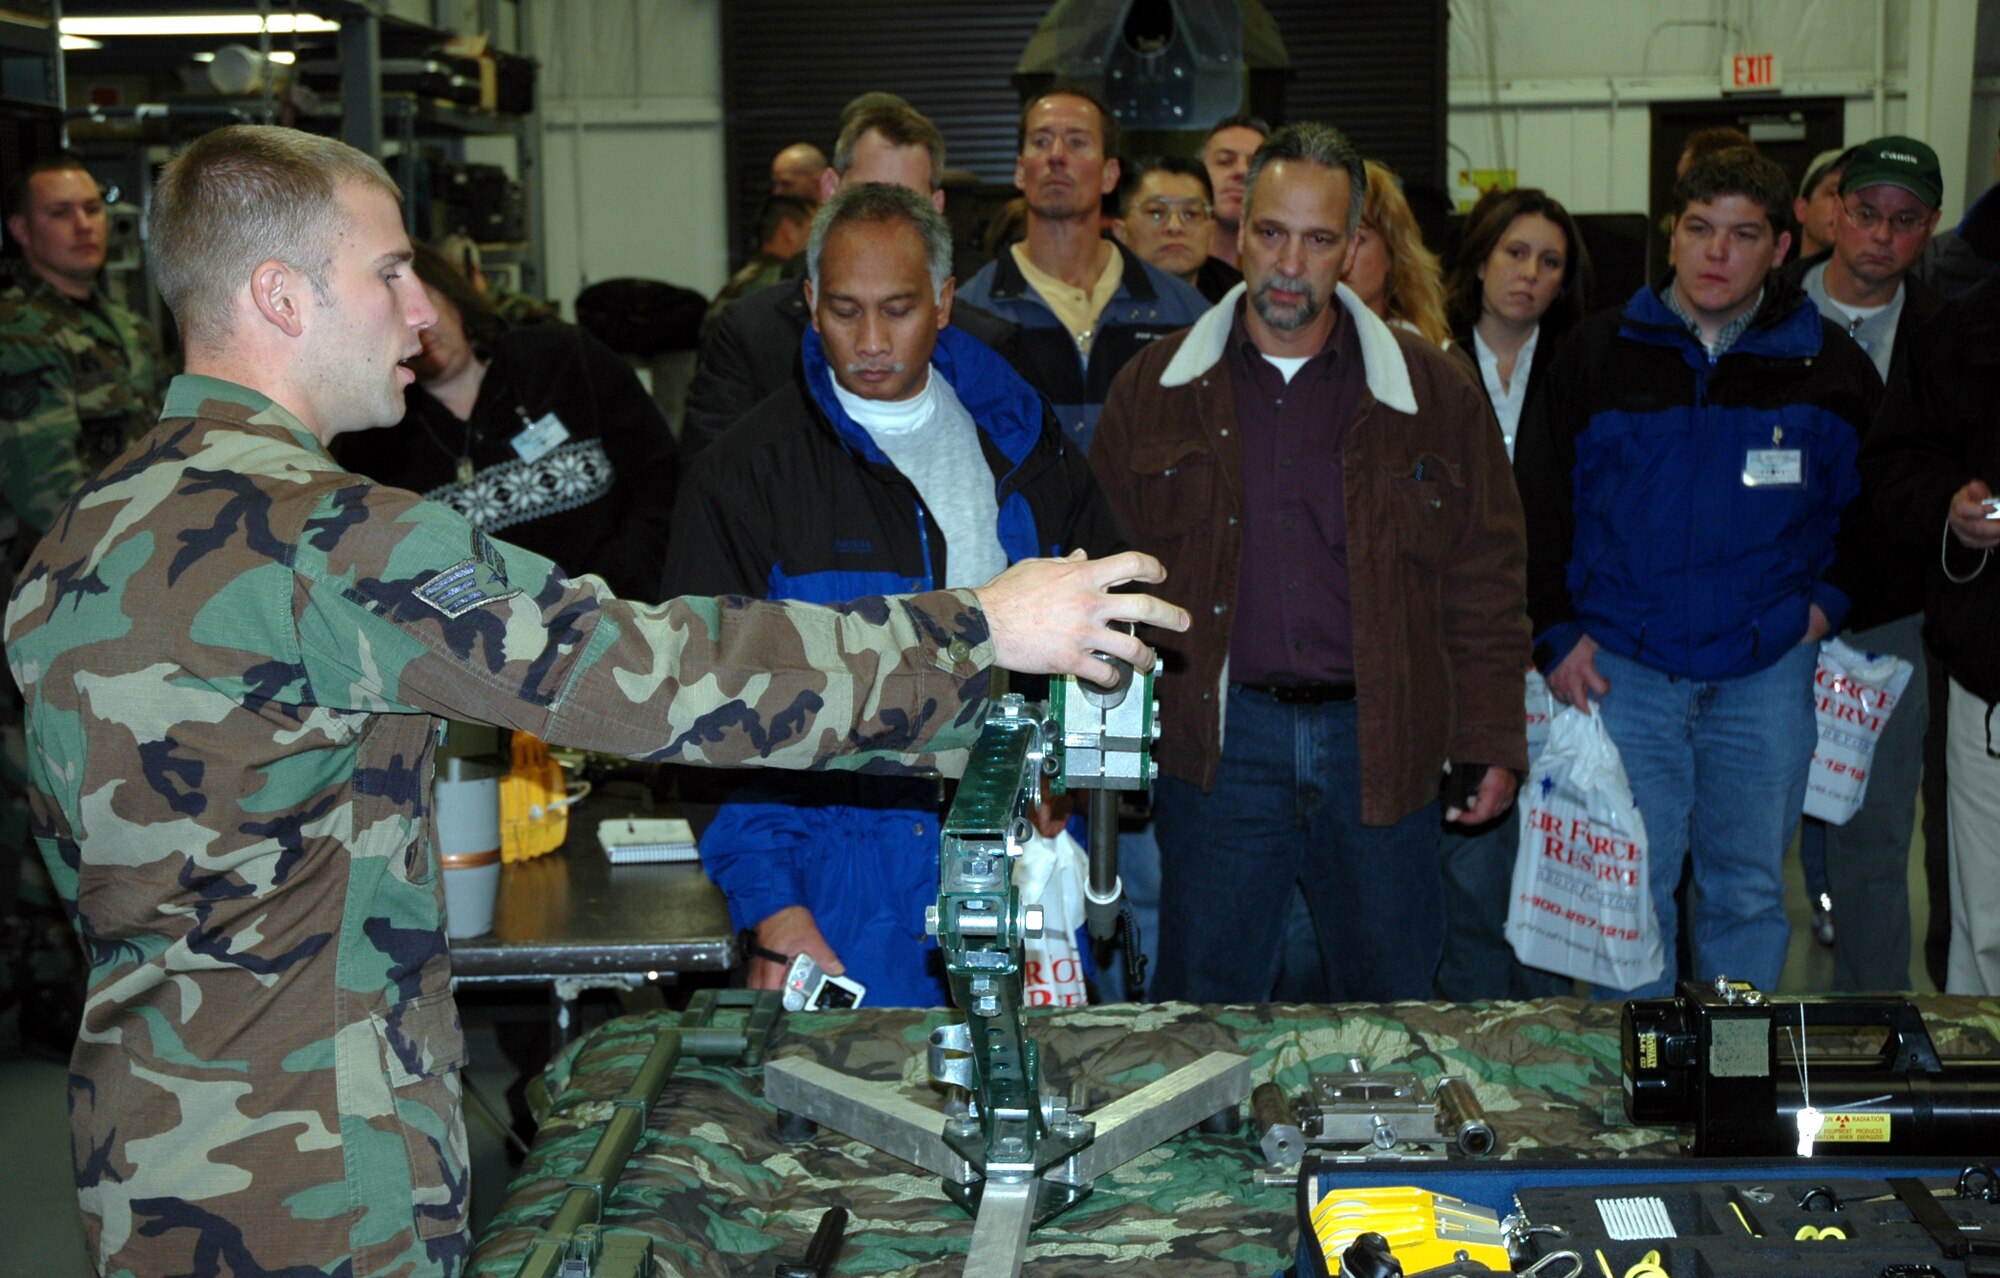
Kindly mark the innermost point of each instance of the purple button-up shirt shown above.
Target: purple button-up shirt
(1294, 621)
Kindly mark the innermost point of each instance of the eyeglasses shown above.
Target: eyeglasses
(1192, 212)
(1866, 217)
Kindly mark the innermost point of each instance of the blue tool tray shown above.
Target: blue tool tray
(1702, 1198)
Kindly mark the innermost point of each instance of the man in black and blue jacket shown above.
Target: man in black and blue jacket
(902, 451)
(1683, 481)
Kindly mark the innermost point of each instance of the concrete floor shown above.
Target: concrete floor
(44, 1238)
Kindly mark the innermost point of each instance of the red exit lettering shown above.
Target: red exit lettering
(1753, 70)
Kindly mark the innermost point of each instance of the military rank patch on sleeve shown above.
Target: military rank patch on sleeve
(464, 586)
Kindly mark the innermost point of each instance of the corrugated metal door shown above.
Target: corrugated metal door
(1375, 68)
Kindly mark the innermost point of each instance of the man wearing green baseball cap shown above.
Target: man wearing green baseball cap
(1890, 189)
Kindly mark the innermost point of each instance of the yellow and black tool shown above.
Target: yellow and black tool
(1422, 1229)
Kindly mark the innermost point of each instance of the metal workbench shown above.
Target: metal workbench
(572, 920)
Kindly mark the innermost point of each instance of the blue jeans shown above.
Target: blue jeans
(1286, 809)
(1867, 861)
(1718, 770)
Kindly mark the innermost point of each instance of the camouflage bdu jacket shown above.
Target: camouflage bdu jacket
(232, 652)
(78, 382)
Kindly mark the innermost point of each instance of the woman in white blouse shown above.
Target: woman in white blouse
(1519, 284)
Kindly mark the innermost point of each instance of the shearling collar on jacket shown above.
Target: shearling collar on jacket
(1388, 373)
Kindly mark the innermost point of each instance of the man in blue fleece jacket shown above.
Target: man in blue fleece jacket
(1683, 482)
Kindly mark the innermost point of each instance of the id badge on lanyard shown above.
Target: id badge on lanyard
(1776, 466)
(540, 436)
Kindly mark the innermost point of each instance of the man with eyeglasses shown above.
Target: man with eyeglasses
(1166, 214)
(1890, 190)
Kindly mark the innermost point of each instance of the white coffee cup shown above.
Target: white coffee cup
(465, 811)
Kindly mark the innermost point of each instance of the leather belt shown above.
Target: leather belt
(1303, 694)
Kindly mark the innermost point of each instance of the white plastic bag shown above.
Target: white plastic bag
(1050, 871)
(1853, 692)
(1582, 904)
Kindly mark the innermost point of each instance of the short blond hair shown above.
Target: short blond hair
(246, 194)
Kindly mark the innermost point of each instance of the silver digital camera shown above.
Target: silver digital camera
(808, 988)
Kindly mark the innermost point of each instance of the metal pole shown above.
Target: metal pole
(62, 74)
(1101, 910)
(361, 82)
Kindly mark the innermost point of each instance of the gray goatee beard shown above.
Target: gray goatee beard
(1287, 318)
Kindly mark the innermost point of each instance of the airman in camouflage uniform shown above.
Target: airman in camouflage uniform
(80, 378)
(235, 657)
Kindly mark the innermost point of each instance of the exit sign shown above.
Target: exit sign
(1751, 73)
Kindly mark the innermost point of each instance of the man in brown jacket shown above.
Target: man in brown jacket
(1333, 504)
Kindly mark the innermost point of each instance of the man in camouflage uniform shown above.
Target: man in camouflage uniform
(235, 656)
(80, 375)
(80, 378)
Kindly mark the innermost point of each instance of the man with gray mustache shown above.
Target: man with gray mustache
(903, 450)
(1332, 501)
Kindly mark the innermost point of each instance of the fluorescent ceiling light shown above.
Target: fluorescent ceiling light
(198, 24)
(78, 42)
(285, 56)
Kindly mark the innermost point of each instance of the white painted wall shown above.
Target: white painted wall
(1559, 89)
(632, 171)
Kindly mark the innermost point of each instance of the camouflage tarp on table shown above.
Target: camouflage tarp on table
(723, 1196)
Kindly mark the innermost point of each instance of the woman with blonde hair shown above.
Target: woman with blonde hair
(1393, 272)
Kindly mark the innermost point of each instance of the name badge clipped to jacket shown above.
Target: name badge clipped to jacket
(539, 437)
(1776, 466)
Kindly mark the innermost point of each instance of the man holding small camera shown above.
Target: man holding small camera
(1929, 467)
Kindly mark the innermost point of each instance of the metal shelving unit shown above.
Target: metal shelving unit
(368, 119)
(31, 67)
(31, 86)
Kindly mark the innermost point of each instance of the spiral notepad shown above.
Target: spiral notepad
(647, 840)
